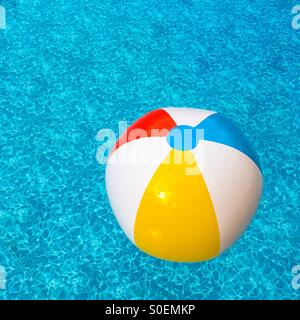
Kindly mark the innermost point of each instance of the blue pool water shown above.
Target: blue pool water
(70, 68)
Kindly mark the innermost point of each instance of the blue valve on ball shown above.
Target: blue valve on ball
(185, 137)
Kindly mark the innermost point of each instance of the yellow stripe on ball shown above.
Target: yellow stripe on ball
(176, 219)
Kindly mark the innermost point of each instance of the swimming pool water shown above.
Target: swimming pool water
(68, 69)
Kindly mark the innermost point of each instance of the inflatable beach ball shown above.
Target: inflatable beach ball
(183, 183)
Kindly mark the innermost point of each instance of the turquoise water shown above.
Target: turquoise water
(68, 69)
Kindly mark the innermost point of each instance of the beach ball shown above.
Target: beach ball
(183, 183)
